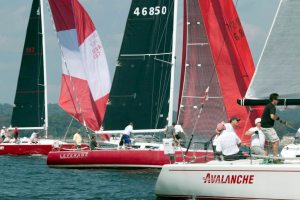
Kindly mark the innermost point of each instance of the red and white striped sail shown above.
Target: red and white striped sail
(85, 80)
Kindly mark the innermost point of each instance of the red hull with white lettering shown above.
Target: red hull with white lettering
(118, 158)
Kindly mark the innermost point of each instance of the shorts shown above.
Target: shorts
(271, 135)
(257, 150)
(126, 139)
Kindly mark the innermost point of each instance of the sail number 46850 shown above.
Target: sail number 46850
(150, 11)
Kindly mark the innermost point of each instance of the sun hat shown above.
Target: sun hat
(257, 120)
(221, 127)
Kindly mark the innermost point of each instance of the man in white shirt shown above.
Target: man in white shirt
(220, 128)
(233, 122)
(34, 137)
(179, 133)
(77, 139)
(126, 135)
(2, 133)
(228, 144)
(257, 138)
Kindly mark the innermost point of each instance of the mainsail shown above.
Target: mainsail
(278, 67)
(217, 68)
(85, 80)
(141, 86)
(29, 103)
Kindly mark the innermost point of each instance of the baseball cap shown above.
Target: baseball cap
(234, 118)
(221, 127)
(257, 120)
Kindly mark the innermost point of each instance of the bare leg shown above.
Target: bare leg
(275, 148)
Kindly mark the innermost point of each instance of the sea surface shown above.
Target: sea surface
(29, 177)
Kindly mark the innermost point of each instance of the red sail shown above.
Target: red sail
(85, 80)
(217, 69)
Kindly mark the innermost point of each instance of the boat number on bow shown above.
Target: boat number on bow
(228, 179)
(1, 147)
(157, 10)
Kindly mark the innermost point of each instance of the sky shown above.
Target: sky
(109, 17)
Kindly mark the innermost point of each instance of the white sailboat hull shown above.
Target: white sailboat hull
(229, 180)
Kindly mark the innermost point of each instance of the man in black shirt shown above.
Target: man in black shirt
(267, 122)
(93, 143)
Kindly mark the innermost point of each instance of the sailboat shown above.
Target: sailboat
(30, 105)
(250, 178)
(141, 92)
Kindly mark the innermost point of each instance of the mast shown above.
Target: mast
(170, 116)
(45, 69)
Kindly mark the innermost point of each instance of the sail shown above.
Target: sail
(278, 67)
(141, 86)
(216, 70)
(29, 103)
(85, 80)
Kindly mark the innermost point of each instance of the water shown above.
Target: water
(29, 177)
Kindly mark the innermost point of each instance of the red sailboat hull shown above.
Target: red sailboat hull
(119, 158)
(25, 149)
(29, 149)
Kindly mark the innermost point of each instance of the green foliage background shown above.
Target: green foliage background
(59, 121)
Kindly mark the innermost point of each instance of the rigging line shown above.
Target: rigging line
(162, 87)
(67, 131)
(157, 25)
(165, 27)
(165, 89)
(65, 63)
(156, 48)
(200, 111)
(162, 61)
(185, 19)
(162, 39)
(160, 91)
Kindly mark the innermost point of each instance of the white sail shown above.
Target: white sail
(278, 69)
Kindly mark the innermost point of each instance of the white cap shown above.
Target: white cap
(257, 120)
(3, 127)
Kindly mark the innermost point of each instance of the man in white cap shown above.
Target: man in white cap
(2, 133)
(257, 138)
